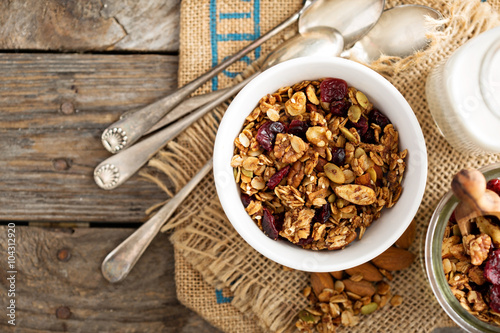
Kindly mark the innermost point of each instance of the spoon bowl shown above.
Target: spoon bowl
(316, 41)
(400, 32)
(352, 18)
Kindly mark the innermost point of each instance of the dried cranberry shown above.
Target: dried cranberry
(495, 298)
(279, 219)
(267, 134)
(339, 108)
(494, 185)
(333, 90)
(269, 224)
(305, 241)
(322, 214)
(338, 156)
(277, 127)
(492, 268)
(379, 118)
(369, 136)
(246, 199)
(277, 177)
(361, 126)
(298, 128)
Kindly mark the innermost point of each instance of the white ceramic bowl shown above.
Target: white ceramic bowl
(392, 223)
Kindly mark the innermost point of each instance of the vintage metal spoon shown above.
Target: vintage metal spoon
(469, 185)
(118, 168)
(119, 262)
(352, 18)
(128, 130)
(391, 36)
(400, 32)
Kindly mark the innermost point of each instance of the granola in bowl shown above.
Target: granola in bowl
(316, 163)
(383, 232)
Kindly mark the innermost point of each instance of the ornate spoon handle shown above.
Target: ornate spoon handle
(119, 262)
(187, 106)
(116, 169)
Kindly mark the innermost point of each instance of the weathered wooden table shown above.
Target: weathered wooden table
(67, 70)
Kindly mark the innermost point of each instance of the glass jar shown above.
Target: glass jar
(434, 263)
(463, 94)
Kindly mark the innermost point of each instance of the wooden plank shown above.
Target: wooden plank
(92, 25)
(53, 109)
(65, 292)
(151, 25)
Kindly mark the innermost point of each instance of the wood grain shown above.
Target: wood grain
(91, 25)
(144, 302)
(53, 109)
(151, 25)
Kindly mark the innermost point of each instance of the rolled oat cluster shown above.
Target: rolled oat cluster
(316, 163)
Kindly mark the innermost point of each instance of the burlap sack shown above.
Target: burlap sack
(221, 277)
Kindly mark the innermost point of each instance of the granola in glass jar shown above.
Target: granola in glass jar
(471, 263)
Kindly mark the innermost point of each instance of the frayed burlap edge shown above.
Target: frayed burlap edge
(464, 19)
(213, 305)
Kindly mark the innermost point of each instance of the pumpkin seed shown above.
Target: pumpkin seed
(247, 173)
(369, 308)
(334, 173)
(373, 174)
(349, 136)
(307, 317)
(362, 100)
(354, 113)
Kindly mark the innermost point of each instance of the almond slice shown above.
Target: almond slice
(357, 194)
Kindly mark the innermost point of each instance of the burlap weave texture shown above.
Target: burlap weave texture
(210, 254)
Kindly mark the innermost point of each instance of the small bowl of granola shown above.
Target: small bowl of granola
(320, 164)
(464, 271)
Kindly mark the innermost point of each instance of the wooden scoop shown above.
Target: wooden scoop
(469, 185)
